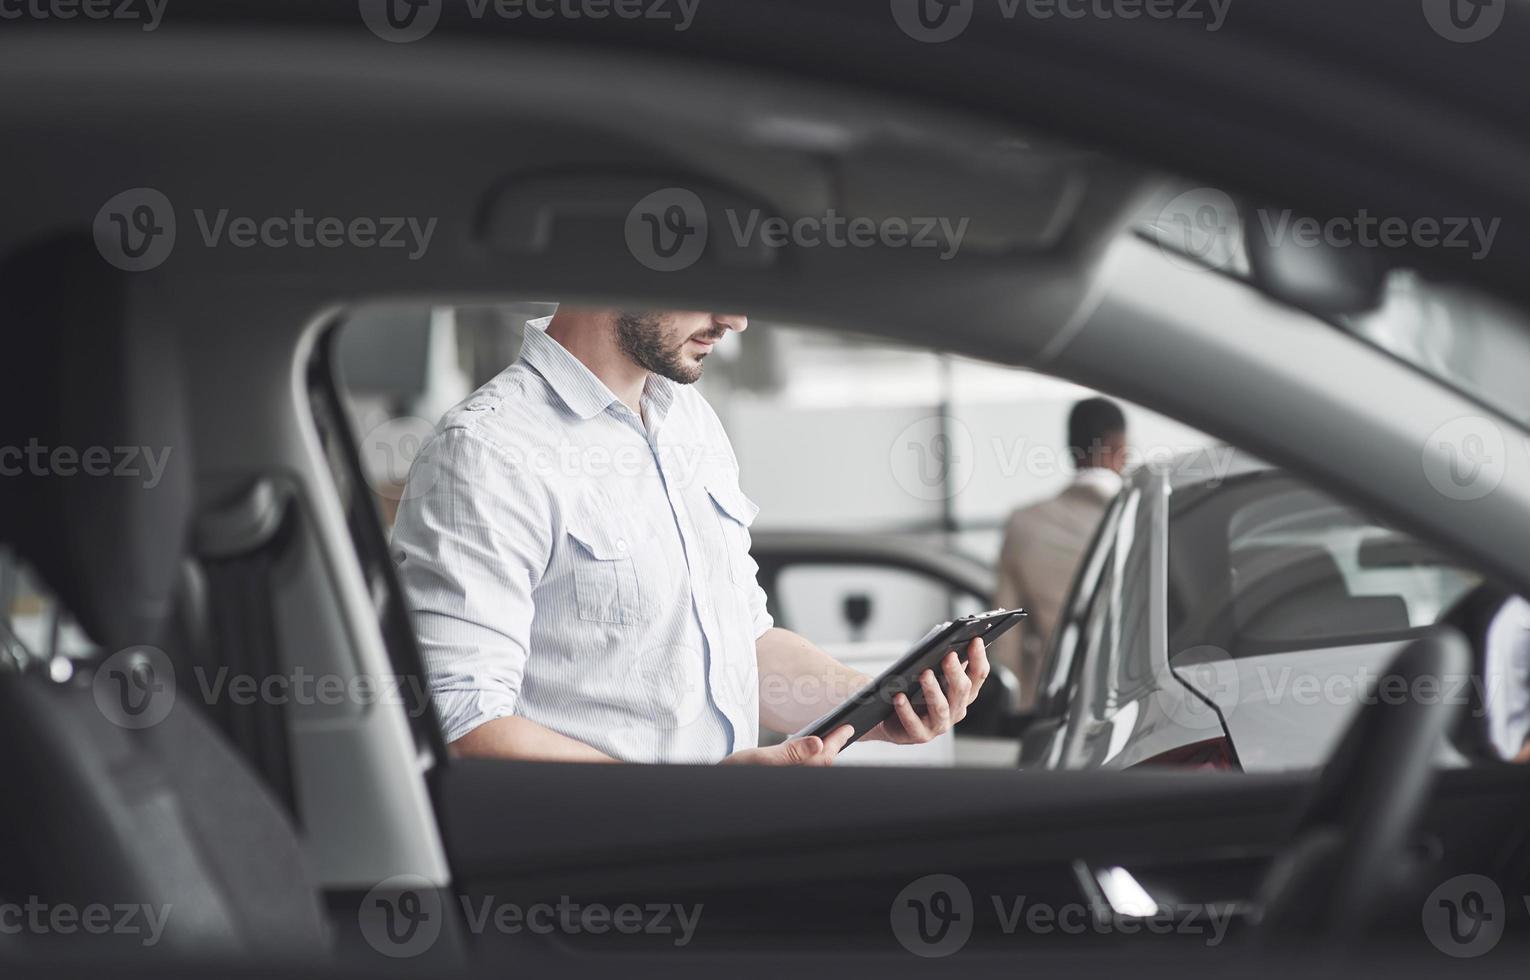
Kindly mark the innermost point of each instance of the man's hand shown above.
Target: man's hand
(942, 708)
(810, 751)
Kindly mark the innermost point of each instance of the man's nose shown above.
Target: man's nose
(731, 321)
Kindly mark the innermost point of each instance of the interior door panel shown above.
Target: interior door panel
(788, 859)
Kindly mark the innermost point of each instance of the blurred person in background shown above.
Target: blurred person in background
(1043, 543)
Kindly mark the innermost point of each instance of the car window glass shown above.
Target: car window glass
(1104, 626)
(1134, 633)
(1267, 565)
(1469, 340)
(34, 626)
(1059, 669)
(863, 604)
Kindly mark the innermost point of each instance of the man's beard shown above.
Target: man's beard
(641, 336)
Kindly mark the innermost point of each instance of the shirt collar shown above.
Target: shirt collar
(585, 394)
(1107, 482)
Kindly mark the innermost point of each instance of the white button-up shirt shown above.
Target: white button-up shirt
(566, 563)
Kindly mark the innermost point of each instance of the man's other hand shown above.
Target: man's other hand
(943, 708)
(810, 751)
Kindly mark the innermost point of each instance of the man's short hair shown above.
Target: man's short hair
(1089, 424)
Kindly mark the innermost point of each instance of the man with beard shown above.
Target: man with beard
(574, 549)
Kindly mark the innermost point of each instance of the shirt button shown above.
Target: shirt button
(621, 544)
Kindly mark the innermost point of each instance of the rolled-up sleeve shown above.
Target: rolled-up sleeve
(759, 609)
(472, 540)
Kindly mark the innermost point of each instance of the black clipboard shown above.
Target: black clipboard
(873, 704)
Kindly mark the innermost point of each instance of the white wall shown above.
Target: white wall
(839, 448)
(849, 458)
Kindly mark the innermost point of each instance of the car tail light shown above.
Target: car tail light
(1214, 753)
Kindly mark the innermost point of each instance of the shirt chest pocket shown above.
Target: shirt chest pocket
(734, 513)
(605, 575)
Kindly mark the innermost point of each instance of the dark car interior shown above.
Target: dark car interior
(280, 841)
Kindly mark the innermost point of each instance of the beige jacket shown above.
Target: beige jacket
(1043, 545)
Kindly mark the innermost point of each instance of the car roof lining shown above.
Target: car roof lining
(1049, 308)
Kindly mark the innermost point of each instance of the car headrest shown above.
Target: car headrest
(1299, 593)
(95, 470)
(1286, 568)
